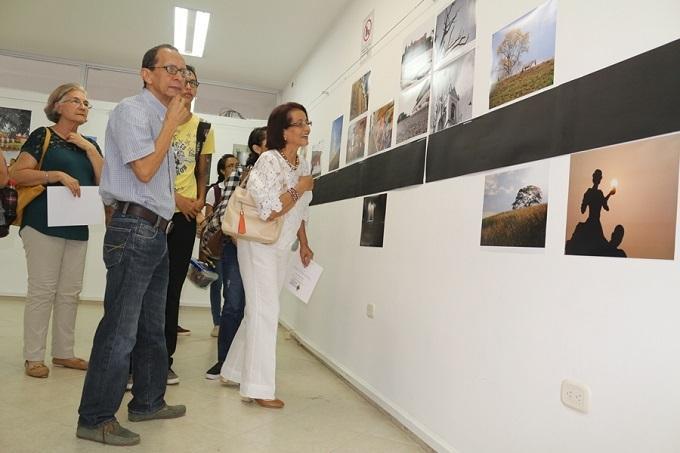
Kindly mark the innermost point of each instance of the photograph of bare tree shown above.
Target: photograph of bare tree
(380, 136)
(516, 207)
(623, 200)
(356, 140)
(336, 137)
(451, 101)
(455, 32)
(524, 55)
(15, 125)
(414, 106)
(416, 60)
(359, 102)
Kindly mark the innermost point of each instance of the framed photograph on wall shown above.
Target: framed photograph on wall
(15, 126)
(516, 207)
(523, 55)
(380, 136)
(623, 200)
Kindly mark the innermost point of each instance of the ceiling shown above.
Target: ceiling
(250, 43)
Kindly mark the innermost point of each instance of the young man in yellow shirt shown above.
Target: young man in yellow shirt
(190, 187)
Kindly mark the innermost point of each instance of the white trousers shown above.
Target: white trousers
(251, 360)
(55, 277)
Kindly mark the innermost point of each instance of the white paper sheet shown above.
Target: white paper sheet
(301, 280)
(63, 209)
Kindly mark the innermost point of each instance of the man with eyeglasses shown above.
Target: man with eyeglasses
(193, 149)
(137, 184)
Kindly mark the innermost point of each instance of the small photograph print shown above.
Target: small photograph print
(336, 138)
(414, 106)
(316, 163)
(356, 140)
(623, 200)
(524, 55)
(241, 152)
(452, 93)
(455, 31)
(359, 102)
(416, 59)
(373, 221)
(380, 137)
(516, 207)
(15, 126)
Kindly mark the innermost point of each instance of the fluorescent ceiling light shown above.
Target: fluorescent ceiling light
(181, 20)
(185, 21)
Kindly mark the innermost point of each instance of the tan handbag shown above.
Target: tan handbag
(242, 221)
(26, 194)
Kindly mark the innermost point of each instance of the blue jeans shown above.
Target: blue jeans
(216, 294)
(136, 259)
(234, 300)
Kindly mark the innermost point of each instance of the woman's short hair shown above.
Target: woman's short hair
(56, 96)
(279, 121)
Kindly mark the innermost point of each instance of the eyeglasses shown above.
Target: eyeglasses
(172, 70)
(77, 102)
(301, 124)
(193, 83)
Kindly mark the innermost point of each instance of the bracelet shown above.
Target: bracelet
(294, 193)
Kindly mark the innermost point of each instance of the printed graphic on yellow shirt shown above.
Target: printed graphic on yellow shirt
(184, 149)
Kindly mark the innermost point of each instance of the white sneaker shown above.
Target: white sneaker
(172, 377)
(215, 332)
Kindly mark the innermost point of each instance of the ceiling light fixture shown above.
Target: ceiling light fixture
(186, 22)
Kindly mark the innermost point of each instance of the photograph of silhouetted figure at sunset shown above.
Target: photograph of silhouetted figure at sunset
(623, 200)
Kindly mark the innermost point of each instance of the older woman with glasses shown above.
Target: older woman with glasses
(55, 256)
(281, 185)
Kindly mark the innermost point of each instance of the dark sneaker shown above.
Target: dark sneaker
(172, 378)
(162, 413)
(214, 372)
(182, 331)
(110, 433)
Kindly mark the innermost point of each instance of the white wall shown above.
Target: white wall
(468, 347)
(228, 131)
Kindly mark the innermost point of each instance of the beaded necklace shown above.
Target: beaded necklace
(292, 166)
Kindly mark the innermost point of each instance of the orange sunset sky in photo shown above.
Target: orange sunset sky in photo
(645, 202)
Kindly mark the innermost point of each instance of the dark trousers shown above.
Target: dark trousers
(234, 300)
(180, 246)
(136, 259)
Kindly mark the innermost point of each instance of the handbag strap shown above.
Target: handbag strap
(46, 145)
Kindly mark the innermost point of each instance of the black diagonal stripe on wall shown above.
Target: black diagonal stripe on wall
(401, 167)
(637, 98)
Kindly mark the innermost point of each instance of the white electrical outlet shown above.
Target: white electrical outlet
(575, 395)
(370, 310)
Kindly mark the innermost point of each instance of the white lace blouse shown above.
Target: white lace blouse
(270, 177)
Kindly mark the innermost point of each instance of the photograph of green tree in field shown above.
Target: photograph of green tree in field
(524, 55)
(516, 207)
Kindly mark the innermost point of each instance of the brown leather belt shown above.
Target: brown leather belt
(128, 208)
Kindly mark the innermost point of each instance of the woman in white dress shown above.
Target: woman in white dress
(281, 184)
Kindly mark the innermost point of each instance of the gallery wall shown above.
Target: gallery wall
(468, 345)
(228, 131)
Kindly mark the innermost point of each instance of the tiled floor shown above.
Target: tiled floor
(322, 413)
